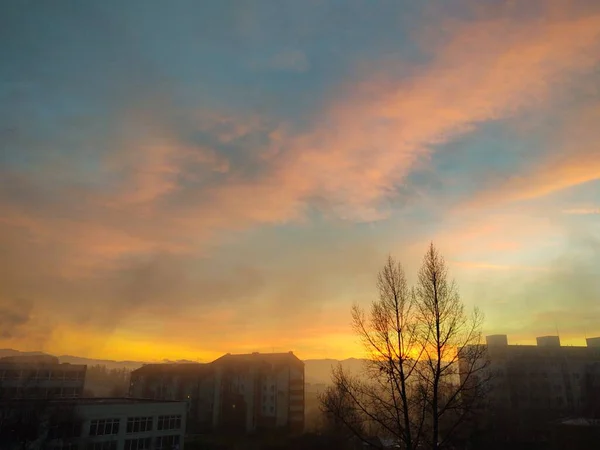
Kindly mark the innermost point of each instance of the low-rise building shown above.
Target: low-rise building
(40, 377)
(99, 424)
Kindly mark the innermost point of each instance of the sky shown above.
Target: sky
(185, 179)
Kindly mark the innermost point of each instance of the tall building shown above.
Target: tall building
(40, 377)
(259, 391)
(531, 385)
(235, 392)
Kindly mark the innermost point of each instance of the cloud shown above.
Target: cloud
(170, 183)
(582, 211)
(383, 125)
(14, 315)
(571, 160)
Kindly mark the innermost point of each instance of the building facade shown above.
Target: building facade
(131, 424)
(237, 393)
(259, 391)
(93, 424)
(40, 377)
(532, 386)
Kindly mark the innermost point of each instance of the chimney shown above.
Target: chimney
(548, 341)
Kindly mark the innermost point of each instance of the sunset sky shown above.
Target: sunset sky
(188, 178)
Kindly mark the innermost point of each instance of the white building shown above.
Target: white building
(109, 424)
(132, 424)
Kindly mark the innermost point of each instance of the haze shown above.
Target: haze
(185, 179)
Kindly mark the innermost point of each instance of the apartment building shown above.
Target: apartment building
(543, 376)
(40, 377)
(259, 391)
(241, 393)
(532, 385)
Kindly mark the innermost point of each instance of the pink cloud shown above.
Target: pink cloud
(574, 161)
(380, 127)
(374, 132)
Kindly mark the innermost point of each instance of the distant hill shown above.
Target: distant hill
(316, 371)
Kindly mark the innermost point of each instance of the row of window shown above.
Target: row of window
(134, 425)
(161, 443)
(38, 392)
(104, 426)
(139, 424)
(169, 422)
(138, 444)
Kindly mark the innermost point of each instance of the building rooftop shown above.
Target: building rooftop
(272, 358)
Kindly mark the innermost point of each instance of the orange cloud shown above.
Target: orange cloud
(372, 134)
(582, 211)
(575, 161)
(379, 128)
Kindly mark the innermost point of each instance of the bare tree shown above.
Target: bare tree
(451, 339)
(416, 340)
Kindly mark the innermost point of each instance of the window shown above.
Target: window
(272, 409)
(169, 422)
(104, 426)
(166, 442)
(139, 424)
(103, 445)
(138, 444)
(71, 375)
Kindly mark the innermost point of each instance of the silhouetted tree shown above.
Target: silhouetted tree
(414, 338)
